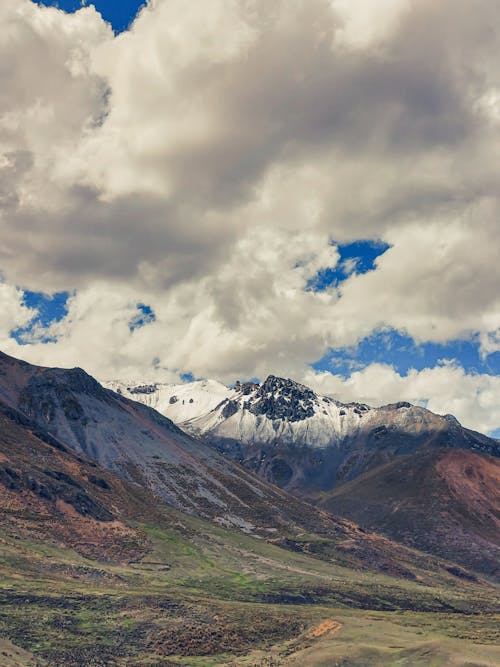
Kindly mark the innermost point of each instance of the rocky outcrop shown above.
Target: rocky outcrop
(277, 398)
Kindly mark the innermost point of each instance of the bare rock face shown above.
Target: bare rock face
(143, 389)
(277, 398)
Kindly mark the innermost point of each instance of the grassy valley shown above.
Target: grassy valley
(202, 595)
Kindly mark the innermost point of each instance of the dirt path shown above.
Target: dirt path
(284, 566)
(329, 627)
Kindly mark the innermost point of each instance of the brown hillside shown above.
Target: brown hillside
(49, 493)
(445, 502)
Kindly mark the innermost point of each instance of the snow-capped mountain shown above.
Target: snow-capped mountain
(295, 437)
(180, 402)
(401, 459)
(278, 410)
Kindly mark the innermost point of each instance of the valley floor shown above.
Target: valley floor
(204, 597)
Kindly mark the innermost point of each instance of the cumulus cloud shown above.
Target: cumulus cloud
(366, 23)
(204, 161)
(14, 313)
(444, 389)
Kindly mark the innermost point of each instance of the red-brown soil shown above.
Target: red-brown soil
(445, 502)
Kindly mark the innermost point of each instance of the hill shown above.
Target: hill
(446, 502)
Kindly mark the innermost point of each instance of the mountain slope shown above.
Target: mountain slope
(446, 502)
(50, 493)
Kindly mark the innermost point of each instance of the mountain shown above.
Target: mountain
(96, 568)
(298, 439)
(399, 470)
(70, 411)
(142, 446)
(446, 502)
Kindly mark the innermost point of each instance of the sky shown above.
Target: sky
(229, 189)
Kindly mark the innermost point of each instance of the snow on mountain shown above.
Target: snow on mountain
(278, 410)
(178, 402)
(249, 412)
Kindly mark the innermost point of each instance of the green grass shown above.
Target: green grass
(206, 596)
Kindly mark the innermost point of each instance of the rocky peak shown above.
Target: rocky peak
(452, 419)
(273, 384)
(280, 398)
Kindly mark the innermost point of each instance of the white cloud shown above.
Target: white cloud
(366, 23)
(204, 161)
(14, 313)
(444, 389)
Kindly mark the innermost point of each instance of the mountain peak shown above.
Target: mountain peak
(280, 398)
(281, 411)
(274, 383)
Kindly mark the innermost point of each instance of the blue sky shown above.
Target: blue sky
(48, 309)
(355, 257)
(52, 308)
(389, 346)
(145, 315)
(119, 13)
(396, 348)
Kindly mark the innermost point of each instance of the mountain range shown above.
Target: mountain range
(127, 539)
(399, 469)
(71, 411)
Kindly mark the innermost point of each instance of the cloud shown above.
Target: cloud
(14, 313)
(366, 23)
(444, 389)
(204, 161)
